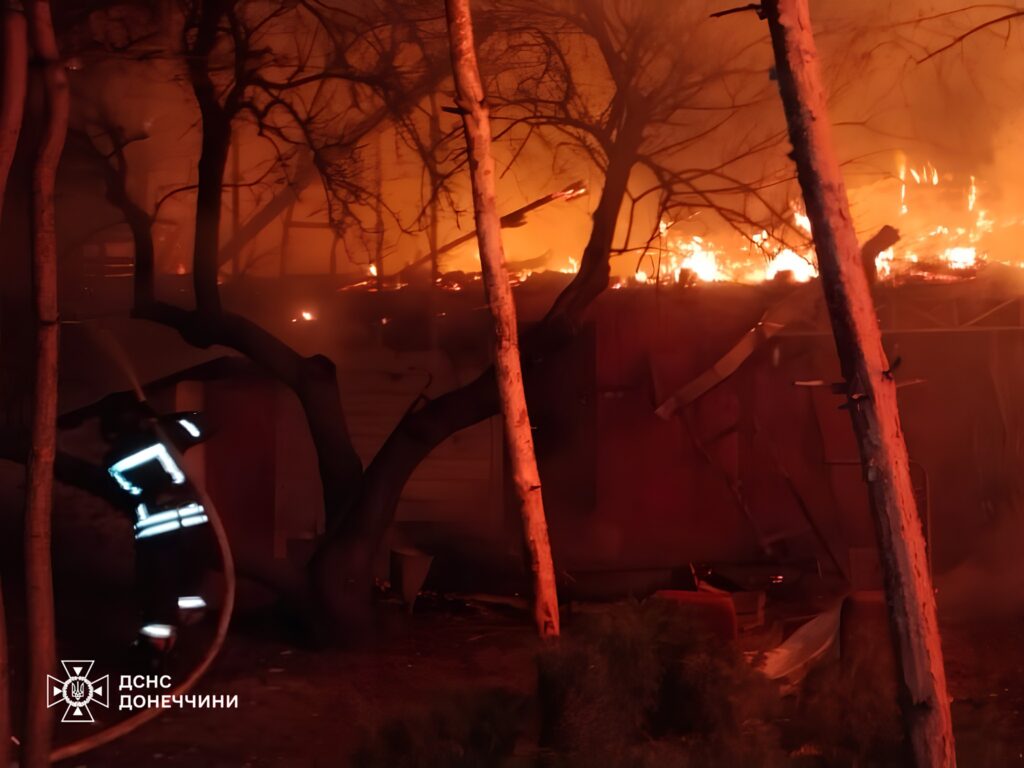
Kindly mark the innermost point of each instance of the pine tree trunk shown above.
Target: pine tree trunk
(5, 696)
(15, 78)
(38, 732)
(518, 435)
(871, 390)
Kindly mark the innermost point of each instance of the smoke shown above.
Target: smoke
(892, 102)
(990, 584)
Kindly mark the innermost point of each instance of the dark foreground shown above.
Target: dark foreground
(461, 690)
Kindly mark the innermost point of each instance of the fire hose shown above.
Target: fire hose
(138, 719)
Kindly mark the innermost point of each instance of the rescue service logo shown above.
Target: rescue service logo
(77, 691)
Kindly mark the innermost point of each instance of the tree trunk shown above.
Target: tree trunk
(378, 210)
(595, 266)
(38, 732)
(518, 434)
(215, 124)
(871, 390)
(434, 137)
(12, 107)
(341, 570)
(212, 162)
(5, 697)
(15, 77)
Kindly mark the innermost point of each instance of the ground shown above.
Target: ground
(312, 709)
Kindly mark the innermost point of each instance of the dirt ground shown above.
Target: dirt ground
(311, 709)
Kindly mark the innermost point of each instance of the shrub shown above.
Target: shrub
(466, 730)
(639, 686)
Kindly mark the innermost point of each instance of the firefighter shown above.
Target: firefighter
(171, 528)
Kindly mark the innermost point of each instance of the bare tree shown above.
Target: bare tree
(38, 731)
(616, 84)
(518, 436)
(871, 390)
(624, 128)
(324, 108)
(1007, 18)
(636, 120)
(234, 86)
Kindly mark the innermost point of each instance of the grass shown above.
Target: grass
(635, 687)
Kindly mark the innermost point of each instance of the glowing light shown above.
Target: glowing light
(571, 192)
(984, 223)
(156, 530)
(373, 270)
(802, 220)
(903, 188)
(787, 260)
(156, 452)
(699, 259)
(937, 241)
(189, 427)
(960, 256)
(307, 315)
(157, 631)
(191, 603)
(168, 520)
(883, 262)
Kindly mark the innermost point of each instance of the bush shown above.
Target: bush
(640, 686)
(852, 715)
(477, 730)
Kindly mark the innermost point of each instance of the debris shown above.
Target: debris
(791, 660)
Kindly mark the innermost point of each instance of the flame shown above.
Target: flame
(960, 256)
(943, 237)
(883, 262)
(790, 261)
(802, 221)
(697, 258)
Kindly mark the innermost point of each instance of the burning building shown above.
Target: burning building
(361, 334)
